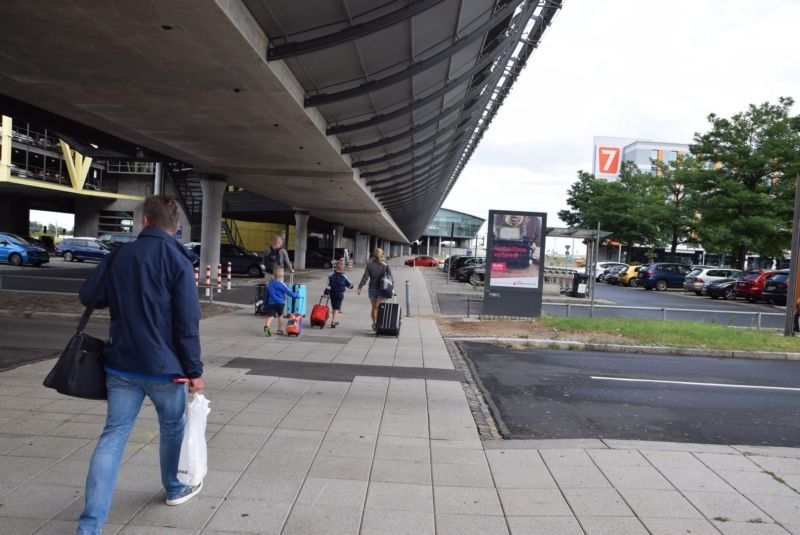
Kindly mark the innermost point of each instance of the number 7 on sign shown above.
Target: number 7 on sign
(609, 160)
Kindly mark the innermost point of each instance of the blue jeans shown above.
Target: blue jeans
(125, 397)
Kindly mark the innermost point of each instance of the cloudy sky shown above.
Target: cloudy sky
(628, 68)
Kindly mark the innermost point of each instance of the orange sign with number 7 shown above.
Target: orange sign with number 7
(608, 157)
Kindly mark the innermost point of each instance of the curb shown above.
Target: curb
(618, 348)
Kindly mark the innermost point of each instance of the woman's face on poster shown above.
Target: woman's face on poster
(514, 220)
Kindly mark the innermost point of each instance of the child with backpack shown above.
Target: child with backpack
(276, 300)
(337, 284)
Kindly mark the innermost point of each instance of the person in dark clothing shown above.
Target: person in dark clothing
(373, 273)
(276, 256)
(154, 339)
(337, 284)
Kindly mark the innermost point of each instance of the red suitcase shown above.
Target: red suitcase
(295, 325)
(319, 314)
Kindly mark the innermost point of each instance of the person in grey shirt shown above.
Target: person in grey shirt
(275, 256)
(373, 272)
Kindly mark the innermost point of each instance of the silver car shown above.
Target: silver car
(699, 276)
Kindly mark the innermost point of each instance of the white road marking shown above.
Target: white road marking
(723, 385)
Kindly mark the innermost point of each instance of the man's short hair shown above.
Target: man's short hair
(162, 212)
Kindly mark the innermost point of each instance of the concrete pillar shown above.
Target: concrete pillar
(301, 239)
(338, 236)
(439, 254)
(211, 224)
(427, 245)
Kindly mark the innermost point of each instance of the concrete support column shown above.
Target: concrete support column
(211, 223)
(427, 245)
(301, 239)
(338, 236)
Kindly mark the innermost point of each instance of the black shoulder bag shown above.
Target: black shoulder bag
(80, 370)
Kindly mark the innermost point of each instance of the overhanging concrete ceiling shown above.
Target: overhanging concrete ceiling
(361, 112)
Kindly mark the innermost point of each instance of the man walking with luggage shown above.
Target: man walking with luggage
(154, 340)
(276, 256)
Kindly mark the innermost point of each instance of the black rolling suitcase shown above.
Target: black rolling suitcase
(261, 299)
(389, 318)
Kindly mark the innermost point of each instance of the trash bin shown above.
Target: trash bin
(579, 283)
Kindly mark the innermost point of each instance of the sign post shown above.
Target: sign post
(791, 290)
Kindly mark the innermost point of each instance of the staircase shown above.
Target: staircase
(187, 186)
(190, 195)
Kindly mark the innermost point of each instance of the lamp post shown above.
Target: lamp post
(791, 290)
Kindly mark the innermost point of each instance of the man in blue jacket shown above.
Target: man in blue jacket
(154, 339)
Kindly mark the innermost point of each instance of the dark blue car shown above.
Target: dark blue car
(81, 249)
(17, 251)
(662, 275)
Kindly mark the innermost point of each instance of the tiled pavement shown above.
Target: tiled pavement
(374, 455)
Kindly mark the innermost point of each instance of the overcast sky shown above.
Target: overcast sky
(627, 68)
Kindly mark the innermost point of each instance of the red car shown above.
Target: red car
(424, 261)
(751, 284)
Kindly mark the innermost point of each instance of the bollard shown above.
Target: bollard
(230, 270)
(208, 281)
(569, 306)
(408, 299)
(758, 323)
(468, 303)
(663, 314)
(219, 278)
(197, 276)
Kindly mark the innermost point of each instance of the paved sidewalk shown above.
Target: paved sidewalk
(322, 449)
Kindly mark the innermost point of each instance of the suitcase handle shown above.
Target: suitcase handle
(327, 302)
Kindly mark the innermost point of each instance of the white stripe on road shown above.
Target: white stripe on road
(723, 385)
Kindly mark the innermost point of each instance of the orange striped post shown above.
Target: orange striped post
(219, 278)
(208, 281)
(230, 271)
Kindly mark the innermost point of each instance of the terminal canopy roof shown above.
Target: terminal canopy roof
(407, 86)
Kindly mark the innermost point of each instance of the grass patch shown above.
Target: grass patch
(677, 333)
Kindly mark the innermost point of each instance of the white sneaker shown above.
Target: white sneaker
(187, 494)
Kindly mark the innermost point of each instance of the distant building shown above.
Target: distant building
(610, 152)
(463, 228)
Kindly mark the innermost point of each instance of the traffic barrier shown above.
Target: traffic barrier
(230, 270)
(208, 281)
(219, 278)
(197, 276)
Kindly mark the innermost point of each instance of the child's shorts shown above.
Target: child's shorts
(273, 310)
(336, 301)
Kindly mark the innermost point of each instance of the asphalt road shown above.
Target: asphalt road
(547, 394)
(22, 340)
(725, 312)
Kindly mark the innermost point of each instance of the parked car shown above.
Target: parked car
(611, 275)
(699, 276)
(478, 276)
(662, 275)
(115, 239)
(329, 253)
(462, 261)
(724, 288)
(243, 262)
(608, 268)
(17, 251)
(775, 287)
(423, 261)
(751, 285)
(315, 259)
(627, 277)
(81, 249)
(464, 273)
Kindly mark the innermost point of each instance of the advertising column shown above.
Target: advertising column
(514, 263)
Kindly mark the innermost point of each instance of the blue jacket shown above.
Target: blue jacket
(337, 283)
(155, 312)
(277, 292)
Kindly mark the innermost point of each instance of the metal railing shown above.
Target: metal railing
(756, 314)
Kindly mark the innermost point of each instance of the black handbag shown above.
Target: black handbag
(80, 370)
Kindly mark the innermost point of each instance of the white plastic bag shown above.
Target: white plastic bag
(193, 463)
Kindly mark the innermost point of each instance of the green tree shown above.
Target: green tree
(632, 208)
(677, 180)
(744, 193)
